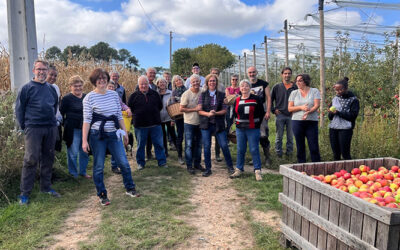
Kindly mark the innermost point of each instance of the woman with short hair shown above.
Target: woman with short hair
(103, 128)
(248, 111)
(304, 103)
(71, 109)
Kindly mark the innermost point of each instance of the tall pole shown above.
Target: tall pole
(322, 61)
(286, 43)
(340, 58)
(245, 65)
(170, 50)
(240, 69)
(22, 41)
(266, 58)
(254, 56)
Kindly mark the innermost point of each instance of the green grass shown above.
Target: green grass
(150, 221)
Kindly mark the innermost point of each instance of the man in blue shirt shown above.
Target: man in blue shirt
(35, 109)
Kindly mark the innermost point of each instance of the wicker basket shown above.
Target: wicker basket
(232, 136)
(231, 99)
(173, 110)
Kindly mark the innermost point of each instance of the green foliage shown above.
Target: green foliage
(208, 56)
(103, 51)
(53, 53)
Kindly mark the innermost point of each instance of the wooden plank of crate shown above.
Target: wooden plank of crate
(309, 168)
(317, 220)
(285, 185)
(284, 214)
(339, 165)
(388, 237)
(380, 213)
(342, 246)
(292, 235)
(290, 217)
(324, 213)
(313, 236)
(345, 216)
(319, 168)
(369, 229)
(292, 188)
(356, 223)
(349, 165)
(330, 167)
(334, 207)
(389, 162)
(377, 163)
(299, 199)
(305, 224)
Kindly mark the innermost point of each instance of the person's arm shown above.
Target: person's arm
(85, 133)
(20, 107)
(183, 108)
(293, 108)
(268, 103)
(273, 100)
(124, 97)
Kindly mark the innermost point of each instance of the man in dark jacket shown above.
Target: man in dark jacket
(36, 107)
(145, 105)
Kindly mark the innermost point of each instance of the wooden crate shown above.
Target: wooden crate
(318, 216)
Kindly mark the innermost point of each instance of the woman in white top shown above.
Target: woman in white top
(304, 103)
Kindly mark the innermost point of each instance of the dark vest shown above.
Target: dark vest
(206, 106)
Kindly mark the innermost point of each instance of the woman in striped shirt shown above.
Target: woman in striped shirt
(105, 128)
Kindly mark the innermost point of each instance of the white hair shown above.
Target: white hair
(143, 77)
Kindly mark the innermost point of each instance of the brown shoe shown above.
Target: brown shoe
(258, 175)
(236, 174)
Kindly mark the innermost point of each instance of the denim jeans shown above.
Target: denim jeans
(179, 136)
(244, 135)
(309, 130)
(192, 145)
(281, 122)
(223, 142)
(73, 151)
(39, 151)
(340, 143)
(156, 135)
(116, 148)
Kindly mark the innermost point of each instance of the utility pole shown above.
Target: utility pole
(240, 69)
(340, 58)
(245, 64)
(266, 59)
(170, 51)
(22, 41)
(322, 61)
(286, 43)
(254, 56)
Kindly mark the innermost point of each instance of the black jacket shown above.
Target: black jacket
(145, 108)
(219, 119)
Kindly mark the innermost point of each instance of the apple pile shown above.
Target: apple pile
(380, 187)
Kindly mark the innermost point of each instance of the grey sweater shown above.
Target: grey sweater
(36, 105)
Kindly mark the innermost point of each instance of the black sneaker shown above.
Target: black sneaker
(132, 193)
(116, 170)
(207, 173)
(200, 168)
(218, 158)
(191, 170)
(104, 201)
(231, 170)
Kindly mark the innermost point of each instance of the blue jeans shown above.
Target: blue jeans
(72, 153)
(252, 136)
(309, 130)
(156, 135)
(116, 148)
(222, 141)
(192, 145)
(281, 122)
(179, 138)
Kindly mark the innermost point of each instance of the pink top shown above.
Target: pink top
(233, 91)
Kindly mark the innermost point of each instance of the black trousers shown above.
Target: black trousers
(39, 151)
(167, 129)
(340, 143)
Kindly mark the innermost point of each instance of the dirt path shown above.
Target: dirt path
(218, 219)
(80, 224)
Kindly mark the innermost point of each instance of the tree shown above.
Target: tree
(208, 56)
(132, 60)
(124, 55)
(74, 51)
(103, 51)
(53, 53)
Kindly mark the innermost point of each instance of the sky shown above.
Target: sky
(143, 26)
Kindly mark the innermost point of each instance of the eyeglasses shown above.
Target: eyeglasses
(41, 69)
(233, 79)
(195, 68)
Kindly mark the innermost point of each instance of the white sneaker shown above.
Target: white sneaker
(258, 175)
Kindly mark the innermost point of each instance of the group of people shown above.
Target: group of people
(93, 122)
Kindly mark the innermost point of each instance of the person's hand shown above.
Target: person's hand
(85, 147)
(225, 100)
(277, 112)
(267, 116)
(305, 115)
(129, 112)
(126, 139)
(305, 107)
(211, 113)
(172, 123)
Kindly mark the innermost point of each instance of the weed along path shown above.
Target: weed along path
(217, 217)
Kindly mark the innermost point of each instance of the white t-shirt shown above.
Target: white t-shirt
(299, 100)
(190, 100)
